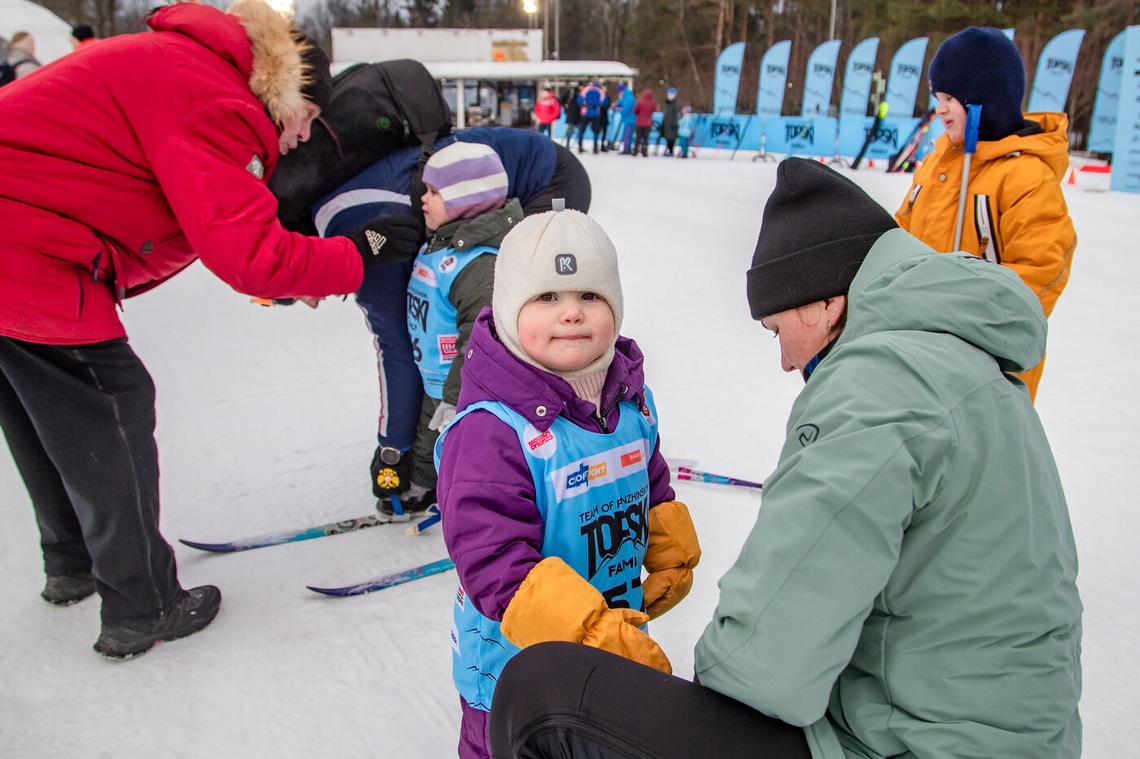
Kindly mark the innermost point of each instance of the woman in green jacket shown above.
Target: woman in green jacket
(909, 588)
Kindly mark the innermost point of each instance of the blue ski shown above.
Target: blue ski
(399, 578)
(308, 533)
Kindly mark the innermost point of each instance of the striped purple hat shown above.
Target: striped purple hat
(469, 177)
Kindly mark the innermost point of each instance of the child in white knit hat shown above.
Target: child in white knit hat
(552, 486)
(466, 208)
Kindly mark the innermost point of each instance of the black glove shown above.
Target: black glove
(391, 477)
(388, 239)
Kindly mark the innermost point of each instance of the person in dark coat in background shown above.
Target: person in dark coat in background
(573, 113)
(644, 109)
(670, 117)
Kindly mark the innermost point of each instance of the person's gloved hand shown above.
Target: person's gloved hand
(388, 239)
(442, 417)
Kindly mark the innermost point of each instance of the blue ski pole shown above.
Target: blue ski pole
(973, 116)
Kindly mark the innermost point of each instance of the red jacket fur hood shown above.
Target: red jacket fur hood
(123, 162)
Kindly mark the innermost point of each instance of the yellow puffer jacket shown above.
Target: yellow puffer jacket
(1015, 211)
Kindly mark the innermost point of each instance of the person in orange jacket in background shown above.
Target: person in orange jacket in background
(1015, 213)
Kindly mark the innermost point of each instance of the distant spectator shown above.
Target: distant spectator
(22, 54)
(590, 100)
(670, 118)
(624, 106)
(82, 35)
(573, 113)
(547, 109)
(644, 109)
(685, 130)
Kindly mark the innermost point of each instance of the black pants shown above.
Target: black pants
(562, 700)
(641, 140)
(79, 421)
(569, 182)
(595, 124)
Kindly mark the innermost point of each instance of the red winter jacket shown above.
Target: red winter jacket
(645, 109)
(123, 162)
(547, 109)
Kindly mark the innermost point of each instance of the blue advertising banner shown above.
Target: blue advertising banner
(857, 79)
(819, 79)
(727, 131)
(906, 72)
(1102, 128)
(1055, 72)
(773, 80)
(798, 135)
(893, 133)
(726, 85)
(1126, 156)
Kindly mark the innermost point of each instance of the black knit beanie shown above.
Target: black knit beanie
(981, 66)
(818, 227)
(318, 80)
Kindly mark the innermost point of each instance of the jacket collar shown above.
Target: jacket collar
(254, 39)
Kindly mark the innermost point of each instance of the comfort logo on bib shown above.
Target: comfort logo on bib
(541, 445)
(447, 264)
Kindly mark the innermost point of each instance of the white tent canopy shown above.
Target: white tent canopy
(49, 30)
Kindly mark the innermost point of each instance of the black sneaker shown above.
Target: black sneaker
(64, 590)
(193, 611)
(412, 505)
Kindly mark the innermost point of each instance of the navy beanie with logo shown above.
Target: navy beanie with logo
(981, 66)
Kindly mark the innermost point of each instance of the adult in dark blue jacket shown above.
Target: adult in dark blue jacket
(538, 171)
(591, 99)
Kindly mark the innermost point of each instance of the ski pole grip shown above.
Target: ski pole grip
(973, 118)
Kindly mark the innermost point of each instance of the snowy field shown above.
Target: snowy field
(267, 421)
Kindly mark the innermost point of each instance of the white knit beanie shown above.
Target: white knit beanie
(550, 252)
(470, 178)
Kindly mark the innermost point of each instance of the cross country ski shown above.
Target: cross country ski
(695, 475)
(308, 533)
(388, 581)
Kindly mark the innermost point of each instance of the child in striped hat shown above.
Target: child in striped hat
(466, 210)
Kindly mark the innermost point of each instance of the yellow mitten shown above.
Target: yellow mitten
(555, 603)
(672, 553)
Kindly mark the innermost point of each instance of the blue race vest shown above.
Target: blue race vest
(593, 494)
(431, 317)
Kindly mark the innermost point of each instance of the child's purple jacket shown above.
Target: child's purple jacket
(491, 525)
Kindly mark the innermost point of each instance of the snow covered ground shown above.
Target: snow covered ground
(267, 422)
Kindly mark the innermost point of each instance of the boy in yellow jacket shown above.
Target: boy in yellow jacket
(1015, 212)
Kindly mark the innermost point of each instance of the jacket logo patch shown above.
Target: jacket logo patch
(541, 445)
(255, 167)
(807, 433)
(447, 352)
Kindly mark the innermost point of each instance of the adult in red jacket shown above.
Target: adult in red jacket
(644, 109)
(547, 109)
(121, 164)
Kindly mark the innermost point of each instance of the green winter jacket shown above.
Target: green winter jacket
(909, 588)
